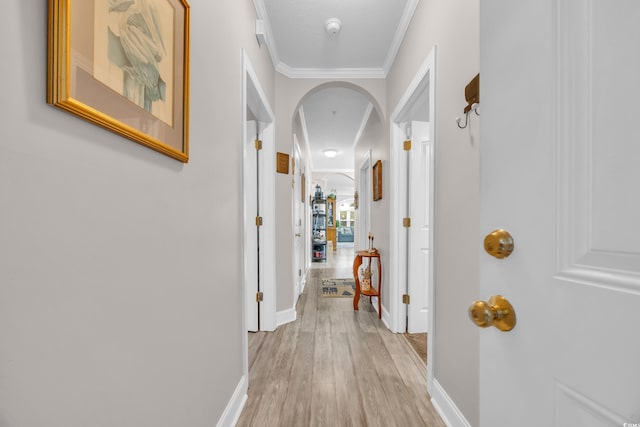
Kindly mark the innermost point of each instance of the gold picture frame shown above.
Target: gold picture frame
(98, 72)
(377, 180)
(282, 163)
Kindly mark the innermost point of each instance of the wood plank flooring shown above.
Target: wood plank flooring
(335, 366)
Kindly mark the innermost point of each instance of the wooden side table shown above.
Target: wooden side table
(374, 291)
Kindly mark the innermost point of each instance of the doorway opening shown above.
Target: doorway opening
(258, 232)
(412, 157)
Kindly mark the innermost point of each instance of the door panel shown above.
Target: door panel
(251, 232)
(420, 187)
(560, 173)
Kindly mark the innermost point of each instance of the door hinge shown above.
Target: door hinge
(406, 222)
(258, 221)
(259, 297)
(406, 299)
(407, 145)
(258, 144)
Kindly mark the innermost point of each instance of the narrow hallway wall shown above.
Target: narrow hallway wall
(452, 26)
(120, 268)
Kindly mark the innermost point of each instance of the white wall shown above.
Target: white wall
(452, 26)
(120, 268)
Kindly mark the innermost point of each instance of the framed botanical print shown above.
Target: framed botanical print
(123, 65)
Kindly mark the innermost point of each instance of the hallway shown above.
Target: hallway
(334, 366)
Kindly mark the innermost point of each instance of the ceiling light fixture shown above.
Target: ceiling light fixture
(330, 152)
(333, 25)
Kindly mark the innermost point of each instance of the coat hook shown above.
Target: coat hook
(475, 107)
(466, 120)
(472, 96)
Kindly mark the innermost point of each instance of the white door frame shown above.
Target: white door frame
(253, 98)
(398, 255)
(299, 228)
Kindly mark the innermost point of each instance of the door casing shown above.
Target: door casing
(425, 76)
(255, 100)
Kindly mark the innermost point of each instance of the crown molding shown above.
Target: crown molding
(261, 13)
(335, 73)
(348, 173)
(330, 73)
(403, 26)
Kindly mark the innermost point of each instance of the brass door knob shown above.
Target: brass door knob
(497, 312)
(499, 243)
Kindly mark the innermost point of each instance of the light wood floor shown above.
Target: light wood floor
(334, 366)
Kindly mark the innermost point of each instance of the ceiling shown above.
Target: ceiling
(295, 33)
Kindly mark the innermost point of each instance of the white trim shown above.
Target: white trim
(234, 407)
(264, 113)
(305, 133)
(396, 230)
(345, 172)
(261, 13)
(403, 26)
(336, 73)
(396, 276)
(303, 281)
(363, 124)
(386, 317)
(446, 407)
(286, 316)
(330, 73)
(243, 233)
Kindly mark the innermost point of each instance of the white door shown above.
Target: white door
(252, 195)
(560, 170)
(419, 203)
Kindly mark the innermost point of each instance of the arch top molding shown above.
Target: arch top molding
(291, 93)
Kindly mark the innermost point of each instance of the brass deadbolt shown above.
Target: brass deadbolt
(497, 312)
(499, 243)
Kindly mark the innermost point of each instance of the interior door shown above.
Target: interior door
(560, 171)
(252, 195)
(419, 204)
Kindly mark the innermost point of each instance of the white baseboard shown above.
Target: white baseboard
(232, 412)
(446, 407)
(386, 317)
(286, 316)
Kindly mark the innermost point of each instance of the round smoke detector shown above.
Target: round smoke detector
(333, 25)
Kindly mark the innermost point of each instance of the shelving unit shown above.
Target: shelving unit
(319, 230)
